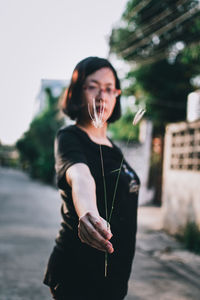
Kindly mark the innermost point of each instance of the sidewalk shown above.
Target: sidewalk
(165, 246)
(163, 262)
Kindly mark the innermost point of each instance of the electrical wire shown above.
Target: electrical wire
(163, 29)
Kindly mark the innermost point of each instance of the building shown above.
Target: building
(181, 175)
(56, 86)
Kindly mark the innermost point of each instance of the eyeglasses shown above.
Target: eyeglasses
(95, 90)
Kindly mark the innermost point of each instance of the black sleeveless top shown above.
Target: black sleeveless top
(73, 145)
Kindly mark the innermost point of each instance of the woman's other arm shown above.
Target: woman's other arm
(92, 228)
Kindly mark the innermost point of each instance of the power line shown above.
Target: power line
(160, 54)
(163, 29)
(137, 8)
(143, 30)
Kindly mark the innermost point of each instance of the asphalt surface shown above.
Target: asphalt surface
(29, 222)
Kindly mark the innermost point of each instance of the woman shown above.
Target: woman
(76, 266)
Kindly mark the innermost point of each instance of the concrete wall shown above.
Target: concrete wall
(181, 177)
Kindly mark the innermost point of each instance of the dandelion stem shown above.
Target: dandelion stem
(137, 118)
(106, 263)
(106, 207)
(97, 120)
(104, 185)
(116, 185)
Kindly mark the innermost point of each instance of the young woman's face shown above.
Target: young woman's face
(100, 87)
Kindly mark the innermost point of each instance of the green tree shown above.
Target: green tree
(123, 130)
(150, 29)
(163, 87)
(36, 147)
(161, 41)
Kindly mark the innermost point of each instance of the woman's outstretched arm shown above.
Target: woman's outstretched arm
(92, 228)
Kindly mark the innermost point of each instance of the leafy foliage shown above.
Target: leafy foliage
(161, 42)
(123, 129)
(166, 57)
(191, 56)
(36, 147)
(149, 29)
(164, 88)
(191, 237)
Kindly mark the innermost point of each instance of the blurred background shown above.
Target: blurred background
(155, 47)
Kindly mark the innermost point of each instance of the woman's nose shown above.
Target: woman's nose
(101, 94)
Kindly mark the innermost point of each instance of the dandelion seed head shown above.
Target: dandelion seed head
(138, 116)
(97, 116)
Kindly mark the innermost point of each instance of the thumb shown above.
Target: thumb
(105, 223)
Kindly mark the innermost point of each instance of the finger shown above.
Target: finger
(107, 225)
(94, 244)
(96, 239)
(83, 235)
(100, 226)
(92, 234)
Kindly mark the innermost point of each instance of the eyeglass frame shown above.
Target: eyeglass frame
(115, 92)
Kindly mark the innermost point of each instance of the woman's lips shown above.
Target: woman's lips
(100, 109)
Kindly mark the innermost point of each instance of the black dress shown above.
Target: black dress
(75, 269)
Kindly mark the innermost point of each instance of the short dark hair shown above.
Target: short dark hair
(72, 101)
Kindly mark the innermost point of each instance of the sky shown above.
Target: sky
(45, 39)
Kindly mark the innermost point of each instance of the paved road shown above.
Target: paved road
(29, 221)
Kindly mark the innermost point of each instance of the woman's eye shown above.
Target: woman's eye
(92, 87)
(109, 90)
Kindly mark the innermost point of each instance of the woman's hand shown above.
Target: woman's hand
(92, 230)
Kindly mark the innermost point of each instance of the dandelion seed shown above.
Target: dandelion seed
(138, 116)
(97, 117)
